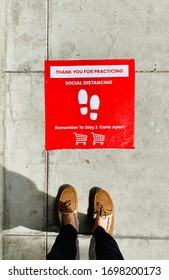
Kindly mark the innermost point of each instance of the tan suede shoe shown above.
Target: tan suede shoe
(67, 202)
(101, 204)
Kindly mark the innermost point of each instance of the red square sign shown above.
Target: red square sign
(89, 104)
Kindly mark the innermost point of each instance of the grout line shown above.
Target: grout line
(46, 201)
(145, 238)
(24, 72)
(166, 238)
(152, 71)
(25, 234)
(47, 30)
(47, 153)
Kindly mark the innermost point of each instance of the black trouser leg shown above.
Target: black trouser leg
(106, 247)
(64, 247)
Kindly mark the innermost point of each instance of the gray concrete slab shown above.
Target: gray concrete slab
(24, 247)
(140, 249)
(110, 29)
(25, 159)
(136, 179)
(2, 94)
(1, 168)
(26, 35)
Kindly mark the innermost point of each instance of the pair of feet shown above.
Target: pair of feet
(100, 211)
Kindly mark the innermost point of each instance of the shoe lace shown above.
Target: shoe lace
(101, 211)
(65, 205)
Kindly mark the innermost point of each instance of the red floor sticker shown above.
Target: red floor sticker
(89, 104)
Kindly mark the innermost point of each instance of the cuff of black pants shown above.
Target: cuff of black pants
(98, 230)
(69, 230)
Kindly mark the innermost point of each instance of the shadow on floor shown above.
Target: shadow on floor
(26, 206)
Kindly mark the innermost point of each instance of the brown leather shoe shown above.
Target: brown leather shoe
(67, 202)
(101, 205)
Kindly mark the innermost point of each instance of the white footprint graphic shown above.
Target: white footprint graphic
(83, 98)
(94, 105)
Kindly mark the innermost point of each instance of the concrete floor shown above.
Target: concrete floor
(30, 177)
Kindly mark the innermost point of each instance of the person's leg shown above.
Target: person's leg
(102, 209)
(64, 247)
(106, 247)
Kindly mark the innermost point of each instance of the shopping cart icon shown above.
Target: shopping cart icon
(98, 138)
(80, 138)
